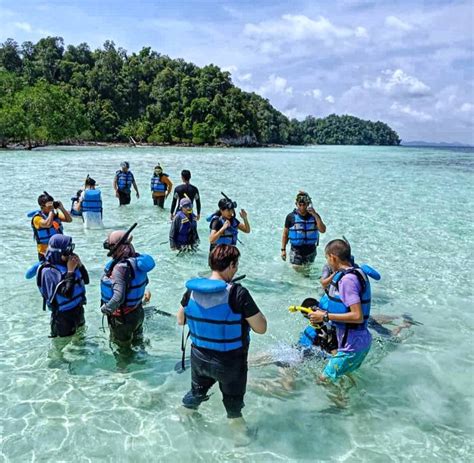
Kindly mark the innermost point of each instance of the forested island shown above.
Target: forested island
(50, 93)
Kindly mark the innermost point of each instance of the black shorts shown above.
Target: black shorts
(229, 369)
(124, 197)
(301, 258)
(159, 201)
(127, 330)
(66, 323)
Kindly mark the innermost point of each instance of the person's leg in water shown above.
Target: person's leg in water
(124, 198)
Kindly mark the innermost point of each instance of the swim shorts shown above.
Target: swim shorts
(343, 363)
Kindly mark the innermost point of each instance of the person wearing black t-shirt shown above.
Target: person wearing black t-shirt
(302, 229)
(220, 315)
(186, 190)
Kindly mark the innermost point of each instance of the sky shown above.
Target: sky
(408, 63)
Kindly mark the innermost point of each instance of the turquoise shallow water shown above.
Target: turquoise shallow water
(408, 212)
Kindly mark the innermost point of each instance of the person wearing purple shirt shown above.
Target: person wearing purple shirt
(354, 338)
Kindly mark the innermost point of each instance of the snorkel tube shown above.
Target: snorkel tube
(230, 204)
(121, 241)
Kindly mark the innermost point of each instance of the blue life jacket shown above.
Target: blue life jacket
(212, 323)
(335, 304)
(230, 234)
(42, 235)
(303, 231)
(139, 266)
(186, 228)
(124, 180)
(157, 185)
(92, 201)
(308, 337)
(57, 301)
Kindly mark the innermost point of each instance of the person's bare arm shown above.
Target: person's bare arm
(284, 242)
(244, 227)
(180, 316)
(325, 281)
(258, 323)
(216, 234)
(64, 214)
(355, 315)
(319, 221)
(135, 187)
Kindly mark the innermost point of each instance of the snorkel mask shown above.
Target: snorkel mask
(227, 203)
(303, 198)
(112, 248)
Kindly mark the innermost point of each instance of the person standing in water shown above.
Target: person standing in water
(348, 308)
(220, 315)
(123, 288)
(302, 229)
(123, 182)
(90, 204)
(47, 222)
(183, 232)
(61, 280)
(224, 226)
(186, 190)
(161, 186)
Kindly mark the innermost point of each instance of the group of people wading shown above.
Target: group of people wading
(220, 313)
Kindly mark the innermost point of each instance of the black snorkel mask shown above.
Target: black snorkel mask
(68, 250)
(121, 241)
(229, 204)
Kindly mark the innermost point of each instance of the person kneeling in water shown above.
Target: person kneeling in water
(123, 287)
(61, 279)
(219, 315)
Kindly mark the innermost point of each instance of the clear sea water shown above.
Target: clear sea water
(406, 211)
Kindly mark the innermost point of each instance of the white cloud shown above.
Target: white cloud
(315, 93)
(398, 82)
(275, 85)
(330, 99)
(300, 28)
(396, 23)
(245, 77)
(409, 111)
(236, 75)
(467, 107)
(294, 113)
(24, 26)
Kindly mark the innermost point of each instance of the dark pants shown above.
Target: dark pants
(299, 257)
(124, 197)
(66, 323)
(127, 330)
(229, 369)
(159, 201)
(41, 257)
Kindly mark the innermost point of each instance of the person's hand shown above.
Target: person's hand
(117, 194)
(49, 205)
(243, 213)
(226, 225)
(105, 310)
(147, 296)
(283, 255)
(198, 216)
(73, 262)
(138, 195)
(171, 217)
(317, 316)
(312, 211)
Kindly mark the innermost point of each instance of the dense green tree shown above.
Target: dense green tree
(108, 95)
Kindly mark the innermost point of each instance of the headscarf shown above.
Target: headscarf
(125, 250)
(57, 244)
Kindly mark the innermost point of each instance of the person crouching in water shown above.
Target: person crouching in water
(348, 307)
(61, 280)
(302, 229)
(183, 232)
(224, 226)
(122, 287)
(219, 315)
(90, 204)
(161, 186)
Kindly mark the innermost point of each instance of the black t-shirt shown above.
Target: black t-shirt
(304, 249)
(240, 301)
(181, 191)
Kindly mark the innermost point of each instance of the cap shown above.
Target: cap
(125, 164)
(185, 202)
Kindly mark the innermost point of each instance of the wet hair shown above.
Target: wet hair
(186, 175)
(222, 256)
(90, 181)
(339, 248)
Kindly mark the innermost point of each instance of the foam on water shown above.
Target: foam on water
(407, 212)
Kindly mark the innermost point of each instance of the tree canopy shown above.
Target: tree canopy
(50, 93)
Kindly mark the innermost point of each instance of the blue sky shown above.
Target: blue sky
(408, 63)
